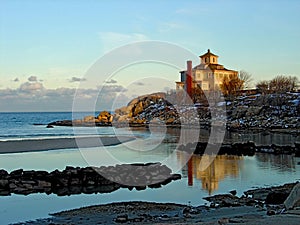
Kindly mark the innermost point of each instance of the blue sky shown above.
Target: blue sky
(56, 42)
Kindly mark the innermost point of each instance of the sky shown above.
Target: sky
(47, 48)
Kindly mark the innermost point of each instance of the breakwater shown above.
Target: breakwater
(88, 180)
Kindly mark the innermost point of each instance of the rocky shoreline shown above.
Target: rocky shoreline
(246, 149)
(259, 111)
(258, 206)
(86, 180)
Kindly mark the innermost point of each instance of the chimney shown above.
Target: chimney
(189, 80)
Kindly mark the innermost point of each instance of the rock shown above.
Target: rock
(86, 180)
(88, 119)
(12, 186)
(138, 108)
(122, 218)
(233, 192)
(3, 173)
(3, 184)
(170, 121)
(123, 119)
(293, 200)
(49, 126)
(271, 212)
(43, 184)
(276, 198)
(16, 173)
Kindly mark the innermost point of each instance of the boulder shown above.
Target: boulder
(170, 121)
(3, 184)
(87, 119)
(276, 197)
(293, 200)
(138, 108)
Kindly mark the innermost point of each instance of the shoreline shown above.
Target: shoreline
(223, 209)
(248, 148)
(36, 145)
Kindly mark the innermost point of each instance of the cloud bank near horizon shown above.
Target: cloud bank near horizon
(33, 96)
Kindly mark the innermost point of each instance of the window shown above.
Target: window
(213, 59)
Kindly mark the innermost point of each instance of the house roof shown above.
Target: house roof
(211, 67)
(208, 53)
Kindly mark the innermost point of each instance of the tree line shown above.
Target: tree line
(279, 84)
(231, 86)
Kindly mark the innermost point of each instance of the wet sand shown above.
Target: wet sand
(168, 213)
(223, 209)
(17, 146)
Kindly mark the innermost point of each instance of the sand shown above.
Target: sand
(168, 213)
(17, 146)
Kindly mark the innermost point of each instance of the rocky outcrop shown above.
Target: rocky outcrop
(145, 109)
(272, 111)
(103, 119)
(86, 180)
(261, 197)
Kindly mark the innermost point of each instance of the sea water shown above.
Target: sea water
(224, 174)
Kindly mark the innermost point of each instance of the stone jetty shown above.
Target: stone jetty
(88, 180)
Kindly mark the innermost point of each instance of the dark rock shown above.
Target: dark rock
(3, 184)
(233, 192)
(3, 174)
(49, 126)
(86, 180)
(271, 212)
(276, 198)
(16, 173)
(122, 218)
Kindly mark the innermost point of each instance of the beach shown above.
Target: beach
(30, 145)
(140, 212)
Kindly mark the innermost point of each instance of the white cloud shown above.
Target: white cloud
(139, 83)
(33, 96)
(31, 87)
(111, 81)
(32, 78)
(111, 40)
(170, 26)
(77, 79)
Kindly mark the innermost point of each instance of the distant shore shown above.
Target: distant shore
(18, 146)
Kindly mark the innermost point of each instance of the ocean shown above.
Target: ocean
(20, 125)
(224, 174)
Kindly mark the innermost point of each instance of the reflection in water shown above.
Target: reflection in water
(281, 163)
(210, 175)
(259, 138)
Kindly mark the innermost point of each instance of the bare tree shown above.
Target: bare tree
(294, 83)
(231, 85)
(281, 84)
(246, 77)
(263, 86)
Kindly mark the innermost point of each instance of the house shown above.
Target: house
(208, 75)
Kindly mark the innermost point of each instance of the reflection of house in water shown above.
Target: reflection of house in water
(210, 176)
